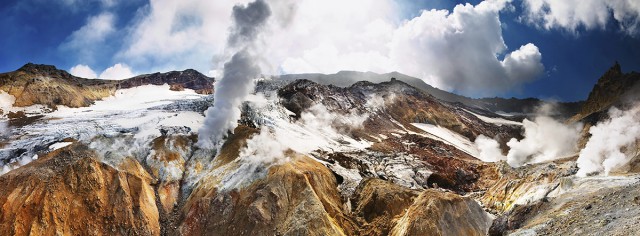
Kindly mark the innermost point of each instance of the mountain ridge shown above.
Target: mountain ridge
(47, 85)
(492, 104)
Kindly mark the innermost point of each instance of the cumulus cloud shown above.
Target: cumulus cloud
(460, 50)
(83, 71)
(573, 15)
(613, 143)
(189, 34)
(117, 72)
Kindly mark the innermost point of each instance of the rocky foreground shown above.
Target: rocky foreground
(307, 159)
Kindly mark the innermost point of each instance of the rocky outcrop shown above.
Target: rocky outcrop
(295, 198)
(613, 88)
(447, 214)
(69, 192)
(378, 204)
(389, 209)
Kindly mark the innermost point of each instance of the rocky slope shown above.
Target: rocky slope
(71, 192)
(510, 105)
(46, 85)
(614, 88)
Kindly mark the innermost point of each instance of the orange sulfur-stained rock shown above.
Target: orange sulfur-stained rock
(68, 192)
(295, 198)
(442, 213)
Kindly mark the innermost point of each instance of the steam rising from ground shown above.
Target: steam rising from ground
(489, 149)
(317, 117)
(236, 82)
(269, 147)
(545, 139)
(379, 102)
(613, 143)
(262, 151)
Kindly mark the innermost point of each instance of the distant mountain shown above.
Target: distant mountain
(47, 85)
(614, 88)
(509, 105)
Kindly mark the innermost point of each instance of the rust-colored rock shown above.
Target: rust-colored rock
(295, 198)
(442, 213)
(46, 85)
(379, 204)
(68, 192)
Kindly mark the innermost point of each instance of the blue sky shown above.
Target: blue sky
(115, 38)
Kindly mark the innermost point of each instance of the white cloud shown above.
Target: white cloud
(75, 4)
(573, 15)
(455, 50)
(523, 64)
(178, 34)
(91, 36)
(459, 49)
(83, 71)
(117, 72)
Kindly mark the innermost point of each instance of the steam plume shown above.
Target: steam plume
(489, 149)
(613, 143)
(236, 82)
(545, 139)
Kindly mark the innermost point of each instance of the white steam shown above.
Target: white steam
(317, 117)
(236, 82)
(545, 139)
(263, 150)
(377, 102)
(316, 129)
(6, 101)
(230, 92)
(17, 163)
(489, 149)
(613, 143)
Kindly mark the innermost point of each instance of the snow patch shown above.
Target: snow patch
(496, 121)
(454, 139)
(58, 145)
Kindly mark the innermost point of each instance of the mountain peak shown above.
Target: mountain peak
(39, 68)
(608, 91)
(613, 72)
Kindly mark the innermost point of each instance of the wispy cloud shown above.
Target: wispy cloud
(574, 15)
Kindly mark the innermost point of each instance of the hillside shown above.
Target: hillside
(46, 85)
(508, 105)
